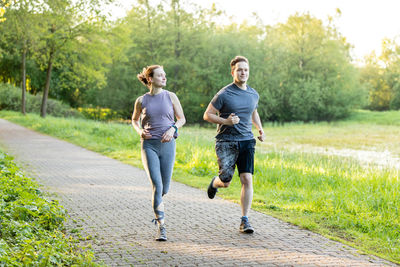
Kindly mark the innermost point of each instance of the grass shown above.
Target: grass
(337, 197)
(365, 130)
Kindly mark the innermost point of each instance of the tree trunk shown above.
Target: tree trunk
(177, 43)
(148, 16)
(47, 86)
(23, 80)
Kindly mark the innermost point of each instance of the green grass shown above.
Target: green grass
(363, 130)
(337, 197)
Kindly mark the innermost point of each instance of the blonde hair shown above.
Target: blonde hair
(146, 73)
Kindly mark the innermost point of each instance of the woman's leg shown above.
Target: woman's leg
(167, 160)
(151, 163)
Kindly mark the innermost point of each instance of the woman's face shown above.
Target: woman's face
(159, 78)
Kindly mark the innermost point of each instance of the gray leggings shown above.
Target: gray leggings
(158, 161)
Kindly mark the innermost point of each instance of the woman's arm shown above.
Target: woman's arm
(180, 118)
(135, 119)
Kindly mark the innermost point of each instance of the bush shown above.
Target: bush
(10, 99)
(31, 232)
(99, 114)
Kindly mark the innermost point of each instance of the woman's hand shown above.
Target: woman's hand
(168, 135)
(145, 134)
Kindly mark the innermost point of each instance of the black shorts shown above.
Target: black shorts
(235, 153)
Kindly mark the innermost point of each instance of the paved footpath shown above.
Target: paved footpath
(111, 201)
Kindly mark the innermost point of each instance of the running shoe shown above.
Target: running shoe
(245, 226)
(162, 233)
(211, 191)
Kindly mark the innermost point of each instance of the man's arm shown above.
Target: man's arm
(257, 123)
(210, 115)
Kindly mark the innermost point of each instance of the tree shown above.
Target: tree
(391, 58)
(83, 71)
(20, 36)
(64, 20)
(310, 76)
(380, 75)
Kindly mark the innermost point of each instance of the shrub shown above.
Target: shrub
(10, 99)
(99, 114)
(31, 232)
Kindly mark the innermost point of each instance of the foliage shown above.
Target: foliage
(46, 35)
(10, 99)
(19, 38)
(309, 75)
(64, 22)
(100, 114)
(301, 68)
(32, 225)
(3, 5)
(381, 76)
(332, 195)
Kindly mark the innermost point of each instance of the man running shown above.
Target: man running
(234, 109)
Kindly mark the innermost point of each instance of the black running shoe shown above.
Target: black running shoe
(245, 226)
(211, 191)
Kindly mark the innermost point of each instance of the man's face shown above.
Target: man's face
(159, 78)
(241, 71)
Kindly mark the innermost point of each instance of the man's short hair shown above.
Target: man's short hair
(238, 59)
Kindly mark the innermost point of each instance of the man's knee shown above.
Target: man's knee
(226, 175)
(246, 179)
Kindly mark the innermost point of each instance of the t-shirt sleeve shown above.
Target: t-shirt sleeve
(217, 101)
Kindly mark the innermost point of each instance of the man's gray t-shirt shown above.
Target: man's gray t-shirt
(232, 99)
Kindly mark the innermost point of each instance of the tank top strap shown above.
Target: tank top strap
(145, 98)
(167, 97)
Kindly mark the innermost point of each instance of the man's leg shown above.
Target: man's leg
(246, 196)
(245, 165)
(227, 153)
(217, 183)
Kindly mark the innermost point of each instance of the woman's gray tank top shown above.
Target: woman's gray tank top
(157, 113)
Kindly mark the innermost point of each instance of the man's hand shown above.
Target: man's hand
(262, 135)
(145, 134)
(232, 119)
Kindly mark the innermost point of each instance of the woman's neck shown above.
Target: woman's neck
(155, 90)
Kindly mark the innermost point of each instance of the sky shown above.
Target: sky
(364, 23)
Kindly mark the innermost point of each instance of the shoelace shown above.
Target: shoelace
(162, 230)
(156, 220)
(246, 223)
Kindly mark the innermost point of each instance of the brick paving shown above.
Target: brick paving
(111, 202)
